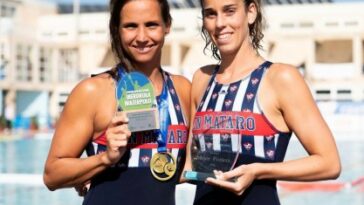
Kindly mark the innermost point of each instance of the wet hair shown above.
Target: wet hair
(255, 29)
(114, 29)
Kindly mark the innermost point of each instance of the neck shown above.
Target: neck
(239, 64)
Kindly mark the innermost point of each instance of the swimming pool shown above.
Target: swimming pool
(22, 161)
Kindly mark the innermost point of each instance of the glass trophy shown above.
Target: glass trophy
(216, 144)
(136, 97)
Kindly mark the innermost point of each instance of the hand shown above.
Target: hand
(236, 180)
(117, 136)
(82, 189)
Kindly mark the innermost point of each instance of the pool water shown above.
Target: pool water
(22, 163)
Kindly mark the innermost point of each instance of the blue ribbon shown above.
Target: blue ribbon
(164, 119)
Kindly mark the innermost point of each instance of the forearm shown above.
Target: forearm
(69, 172)
(310, 168)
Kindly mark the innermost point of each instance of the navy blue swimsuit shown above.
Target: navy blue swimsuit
(130, 181)
(260, 141)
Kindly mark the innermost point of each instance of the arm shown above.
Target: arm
(74, 130)
(303, 117)
(199, 84)
(292, 104)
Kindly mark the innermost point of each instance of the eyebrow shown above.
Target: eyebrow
(224, 7)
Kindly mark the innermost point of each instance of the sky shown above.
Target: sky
(106, 1)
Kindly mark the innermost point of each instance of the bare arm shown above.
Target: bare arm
(302, 116)
(292, 101)
(74, 130)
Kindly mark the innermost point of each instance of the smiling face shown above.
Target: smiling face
(142, 31)
(227, 23)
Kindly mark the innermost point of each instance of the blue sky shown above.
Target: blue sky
(106, 1)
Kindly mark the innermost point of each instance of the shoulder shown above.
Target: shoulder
(92, 85)
(182, 86)
(280, 74)
(90, 89)
(179, 80)
(203, 73)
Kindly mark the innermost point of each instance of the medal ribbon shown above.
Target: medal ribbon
(164, 119)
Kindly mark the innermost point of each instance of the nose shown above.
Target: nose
(141, 35)
(220, 21)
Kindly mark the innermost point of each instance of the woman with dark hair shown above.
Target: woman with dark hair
(118, 165)
(271, 101)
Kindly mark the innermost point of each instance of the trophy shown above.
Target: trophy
(216, 144)
(136, 97)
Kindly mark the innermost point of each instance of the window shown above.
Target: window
(23, 63)
(68, 65)
(45, 71)
(334, 51)
(3, 62)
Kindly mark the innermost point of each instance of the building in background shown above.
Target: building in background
(45, 50)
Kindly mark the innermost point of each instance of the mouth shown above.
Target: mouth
(143, 49)
(223, 37)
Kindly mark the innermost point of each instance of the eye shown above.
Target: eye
(208, 13)
(229, 11)
(129, 26)
(152, 25)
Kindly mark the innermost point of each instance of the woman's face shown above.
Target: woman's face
(227, 23)
(142, 31)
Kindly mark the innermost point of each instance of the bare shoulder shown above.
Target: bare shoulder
(182, 85)
(280, 74)
(92, 85)
(90, 89)
(180, 80)
(203, 73)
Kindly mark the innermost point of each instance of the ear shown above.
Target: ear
(252, 13)
(168, 28)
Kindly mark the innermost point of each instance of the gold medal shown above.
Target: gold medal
(163, 166)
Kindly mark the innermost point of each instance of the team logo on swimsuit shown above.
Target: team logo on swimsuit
(255, 81)
(225, 137)
(178, 107)
(145, 159)
(233, 88)
(228, 103)
(248, 146)
(249, 96)
(209, 145)
(247, 110)
(172, 91)
(214, 96)
(269, 138)
(270, 153)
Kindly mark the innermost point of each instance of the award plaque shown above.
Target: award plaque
(215, 145)
(136, 97)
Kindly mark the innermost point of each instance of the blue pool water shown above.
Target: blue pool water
(27, 156)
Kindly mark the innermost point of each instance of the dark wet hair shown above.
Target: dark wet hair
(255, 29)
(114, 28)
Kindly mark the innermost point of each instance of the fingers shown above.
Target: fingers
(234, 181)
(120, 118)
(231, 186)
(117, 136)
(118, 128)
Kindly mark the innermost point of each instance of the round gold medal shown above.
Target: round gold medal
(163, 166)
